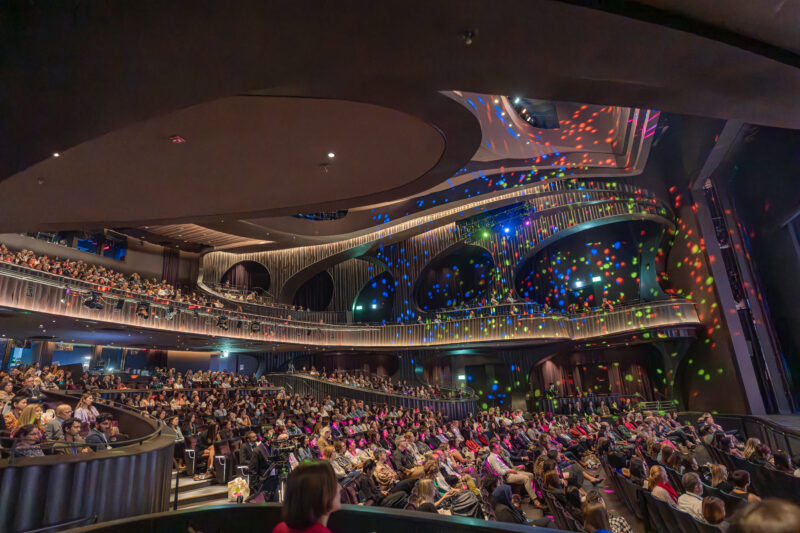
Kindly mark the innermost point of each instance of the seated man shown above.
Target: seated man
(692, 500)
(404, 462)
(53, 428)
(509, 474)
(253, 455)
(99, 438)
(73, 443)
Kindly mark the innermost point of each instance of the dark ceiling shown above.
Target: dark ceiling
(79, 78)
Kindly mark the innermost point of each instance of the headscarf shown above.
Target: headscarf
(502, 495)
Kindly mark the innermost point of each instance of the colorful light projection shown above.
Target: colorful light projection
(578, 271)
(375, 299)
(459, 278)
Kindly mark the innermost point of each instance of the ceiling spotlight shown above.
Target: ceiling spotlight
(496, 100)
(56, 154)
(467, 36)
(516, 100)
(331, 155)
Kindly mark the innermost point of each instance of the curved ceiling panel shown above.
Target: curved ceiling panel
(235, 155)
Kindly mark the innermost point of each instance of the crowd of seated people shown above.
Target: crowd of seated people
(660, 455)
(106, 277)
(364, 380)
(31, 427)
(485, 465)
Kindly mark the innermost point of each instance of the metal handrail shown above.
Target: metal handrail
(375, 391)
(57, 295)
(465, 392)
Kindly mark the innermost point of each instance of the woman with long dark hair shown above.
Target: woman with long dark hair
(312, 494)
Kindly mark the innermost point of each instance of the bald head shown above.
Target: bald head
(63, 411)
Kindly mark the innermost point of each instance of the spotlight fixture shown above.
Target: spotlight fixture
(331, 155)
(467, 36)
(177, 139)
(56, 154)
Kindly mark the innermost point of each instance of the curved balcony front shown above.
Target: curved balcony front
(131, 479)
(304, 384)
(24, 289)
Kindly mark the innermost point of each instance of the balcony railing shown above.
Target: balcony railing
(322, 388)
(32, 290)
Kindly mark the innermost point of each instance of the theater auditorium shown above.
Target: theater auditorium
(423, 266)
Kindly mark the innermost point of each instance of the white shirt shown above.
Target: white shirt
(691, 503)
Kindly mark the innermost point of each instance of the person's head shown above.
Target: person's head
(782, 461)
(86, 400)
(771, 515)
(740, 479)
(71, 427)
(719, 473)
(312, 493)
(368, 467)
(691, 483)
(426, 490)
(637, 467)
(63, 411)
(103, 423)
(595, 516)
(552, 480)
(27, 435)
(19, 402)
(251, 437)
(657, 475)
(713, 510)
(32, 414)
(574, 497)
(327, 452)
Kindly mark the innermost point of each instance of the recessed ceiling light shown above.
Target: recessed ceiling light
(56, 154)
(331, 155)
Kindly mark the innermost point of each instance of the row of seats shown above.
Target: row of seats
(658, 516)
(763, 481)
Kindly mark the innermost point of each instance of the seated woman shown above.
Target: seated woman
(659, 487)
(426, 494)
(312, 494)
(595, 518)
(574, 503)
(782, 463)
(504, 509)
(617, 523)
(719, 478)
(638, 474)
(204, 452)
(713, 510)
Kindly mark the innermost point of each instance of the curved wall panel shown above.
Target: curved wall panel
(316, 293)
(37, 492)
(247, 275)
(375, 299)
(457, 277)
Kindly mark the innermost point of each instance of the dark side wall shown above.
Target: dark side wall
(762, 180)
(707, 378)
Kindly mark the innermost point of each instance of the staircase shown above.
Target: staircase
(199, 493)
